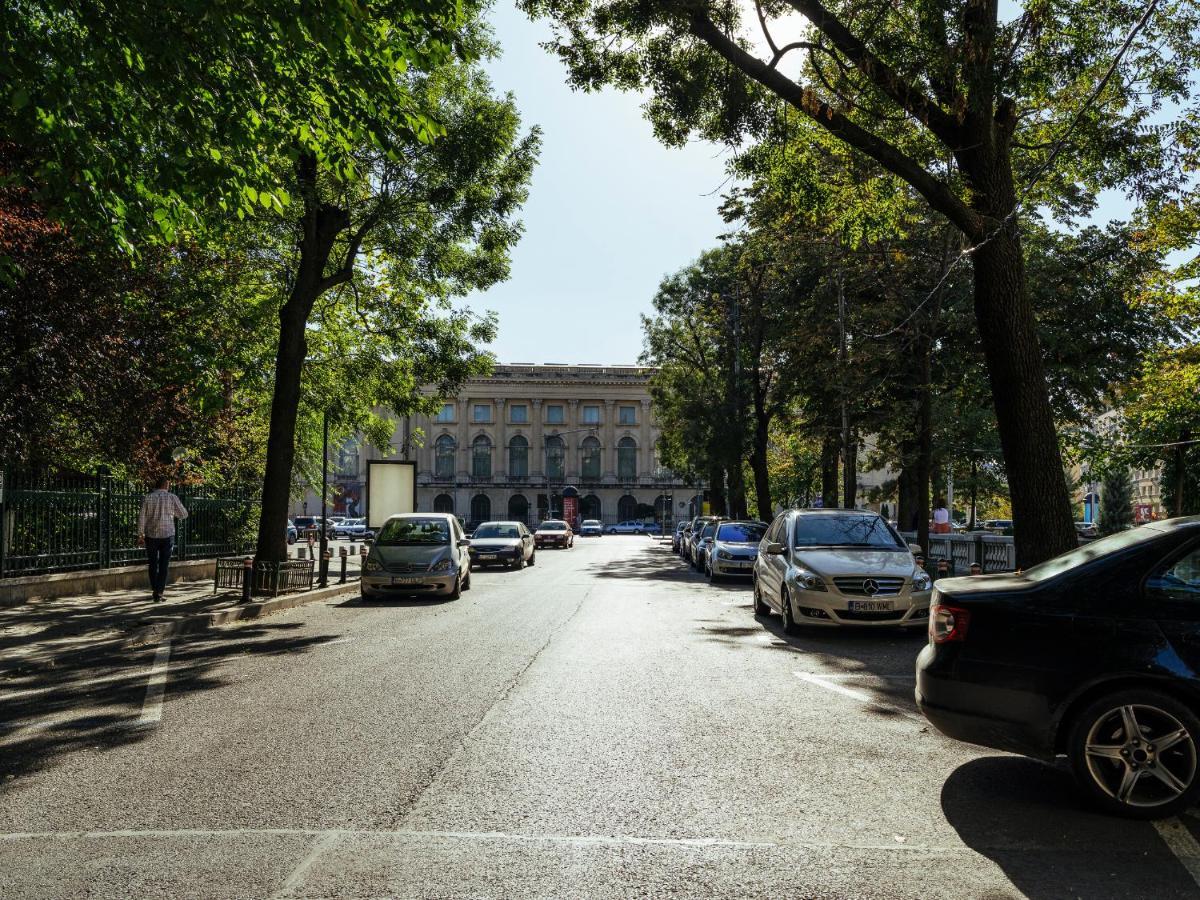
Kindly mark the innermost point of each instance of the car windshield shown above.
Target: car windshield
(553, 526)
(1090, 551)
(496, 530)
(414, 531)
(741, 533)
(846, 531)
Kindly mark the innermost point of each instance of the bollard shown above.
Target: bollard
(325, 557)
(247, 578)
(362, 560)
(342, 553)
(353, 550)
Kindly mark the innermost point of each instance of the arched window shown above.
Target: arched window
(443, 503)
(627, 508)
(443, 453)
(518, 457)
(481, 457)
(662, 508)
(555, 456)
(481, 508)
(591, 459)
(518, 508)
(626, 459)
(589, 507)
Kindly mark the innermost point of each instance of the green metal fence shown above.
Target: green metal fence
(63, 523)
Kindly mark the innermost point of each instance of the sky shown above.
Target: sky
(611, 211)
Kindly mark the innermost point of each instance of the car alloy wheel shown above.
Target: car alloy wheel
(789, 621)
(1134, 754)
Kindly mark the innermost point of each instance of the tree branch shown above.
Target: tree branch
(939, 196)
(910, 97)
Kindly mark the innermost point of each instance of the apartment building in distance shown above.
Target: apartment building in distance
(508, 444)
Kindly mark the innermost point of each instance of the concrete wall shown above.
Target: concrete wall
(93, 581)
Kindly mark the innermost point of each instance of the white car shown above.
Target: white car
(831, 567)
(632, 526)
(353, 528)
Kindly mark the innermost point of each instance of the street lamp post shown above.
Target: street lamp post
(324, 564)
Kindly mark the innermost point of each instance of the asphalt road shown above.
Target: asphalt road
(605, 724)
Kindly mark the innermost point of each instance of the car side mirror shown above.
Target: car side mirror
(463, 542)
(775, 548)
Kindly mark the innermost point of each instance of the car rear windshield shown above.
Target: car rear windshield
(1090, 551)
(414, 531)
(496, 530)
(553, 526)
(742, 533)
(591, 522)
(846, 531)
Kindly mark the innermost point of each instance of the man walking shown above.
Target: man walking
(156, 532)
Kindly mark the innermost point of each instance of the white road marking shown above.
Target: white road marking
(296, 877)
(152, 705)
(1181, 843)
(836, 688)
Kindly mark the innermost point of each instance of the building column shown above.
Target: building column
(646, 469)
(462, 460)
(499, 462)
(570, 462)
(537, 453)
(608, 451)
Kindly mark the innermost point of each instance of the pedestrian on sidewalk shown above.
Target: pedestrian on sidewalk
(941, 517)
(156, 532)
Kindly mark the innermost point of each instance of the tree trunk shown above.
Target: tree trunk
(320, 226)
(737, 491)
(906, 488)
(924, 466)
(829, 472)
(1042, 520)
(849, 473)
(716, 492)
(758, 463)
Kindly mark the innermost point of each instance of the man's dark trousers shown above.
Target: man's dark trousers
(159, 552)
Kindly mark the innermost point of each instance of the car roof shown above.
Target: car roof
(420, 515)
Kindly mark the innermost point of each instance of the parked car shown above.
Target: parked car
(591, 528)
(998, 526)
(418, 553)
(677, 537)
(832, 567)
(292, 534)
(554, 533)
(733, 549)
(503, 543)
(353, 528)
(1087, 530)
(701, 545)
(1094, 654)
(308, 525)
(698, 525)
(631, 526)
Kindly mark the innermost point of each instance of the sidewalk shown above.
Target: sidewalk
(37, 632)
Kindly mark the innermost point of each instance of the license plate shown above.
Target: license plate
(487, 555)
(406, 580)
(870, 605)
(739, 565)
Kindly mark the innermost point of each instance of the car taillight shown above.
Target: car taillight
(948, 623)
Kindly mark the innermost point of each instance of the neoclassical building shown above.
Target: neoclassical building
(509, 443)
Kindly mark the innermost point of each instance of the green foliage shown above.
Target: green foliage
(1116, 501)
(148, 120)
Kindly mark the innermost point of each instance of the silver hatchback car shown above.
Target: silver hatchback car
(830, 567)
(418, 553)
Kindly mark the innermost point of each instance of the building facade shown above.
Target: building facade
(508, 444)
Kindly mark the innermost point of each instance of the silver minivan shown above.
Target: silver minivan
(418, 553)
(830, 567)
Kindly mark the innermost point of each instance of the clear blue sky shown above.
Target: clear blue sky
(610, 212)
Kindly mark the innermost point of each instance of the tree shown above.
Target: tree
(416, 220)
(982, 118)
(1116, 501)
(147, 119)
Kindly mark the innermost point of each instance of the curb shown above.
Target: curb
(204, 621)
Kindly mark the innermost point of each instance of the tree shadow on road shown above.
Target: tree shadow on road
(1027, 818)
(92, 700)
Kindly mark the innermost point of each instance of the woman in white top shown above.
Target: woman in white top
(941, 517)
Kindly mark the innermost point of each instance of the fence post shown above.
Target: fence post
(103, 517)
(247, 577)
(979, 557)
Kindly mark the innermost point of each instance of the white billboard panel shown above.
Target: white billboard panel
(391, 489)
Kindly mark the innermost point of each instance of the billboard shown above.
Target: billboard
(391, 488)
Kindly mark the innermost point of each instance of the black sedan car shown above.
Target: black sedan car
(503, 544)
(1094, 654)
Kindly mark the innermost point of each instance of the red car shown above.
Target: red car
(554, 533)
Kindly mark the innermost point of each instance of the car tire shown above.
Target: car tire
(466, 583)
(789, 620)
(712, 576)
(1160, 786)
(760, 608)
(532, 557)
(364, 597)
(519, 562)
(456, 592)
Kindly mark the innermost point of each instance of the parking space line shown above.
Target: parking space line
(1181, 843)
(833, 686)
(152, 705)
